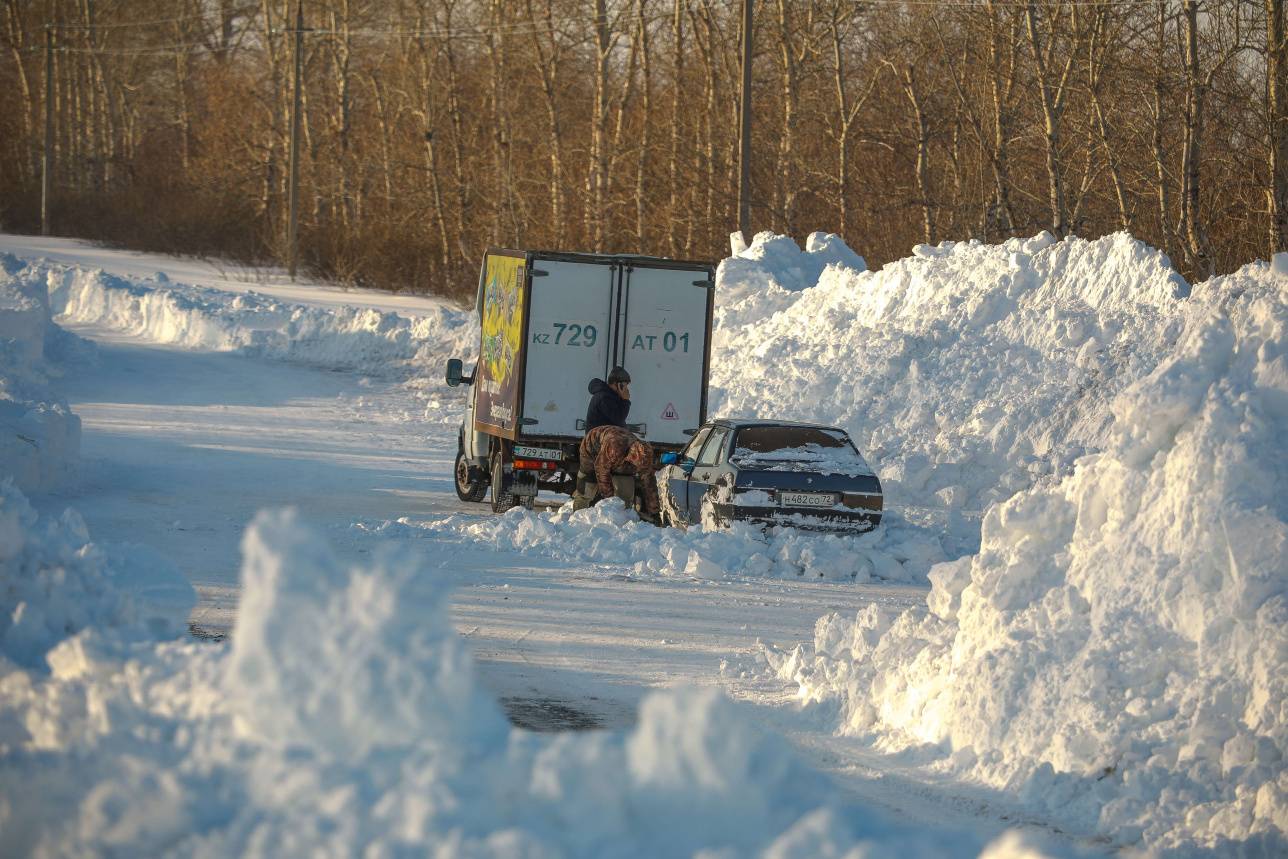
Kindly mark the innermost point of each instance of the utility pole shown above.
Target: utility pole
(744, 130)
(293, 192)
(46, 160)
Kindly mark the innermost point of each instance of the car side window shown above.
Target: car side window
(713, 448)
(691, 452)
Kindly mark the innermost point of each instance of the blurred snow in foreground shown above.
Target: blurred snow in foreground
(344, 718)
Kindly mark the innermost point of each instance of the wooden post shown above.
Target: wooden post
(46, 160)
(744, 130)
(293, 193)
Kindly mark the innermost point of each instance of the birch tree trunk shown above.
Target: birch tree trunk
(1277, 117)
(1197, 252)
(673, 165)
(1051, 111)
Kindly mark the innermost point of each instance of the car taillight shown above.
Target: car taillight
(535, 464)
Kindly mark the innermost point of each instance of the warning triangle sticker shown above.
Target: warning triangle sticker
(669, 413)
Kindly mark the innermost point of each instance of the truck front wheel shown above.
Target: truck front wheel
(471, 485)
(502, 498)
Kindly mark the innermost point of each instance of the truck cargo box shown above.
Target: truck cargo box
(552, 321)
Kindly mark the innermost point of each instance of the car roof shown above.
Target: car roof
(740, 423)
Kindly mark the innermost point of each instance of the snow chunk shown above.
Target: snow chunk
(300, 610)
(55, 583)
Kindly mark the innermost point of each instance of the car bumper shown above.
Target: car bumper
(831, 520)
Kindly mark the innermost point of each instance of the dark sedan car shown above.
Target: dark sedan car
(770, 473)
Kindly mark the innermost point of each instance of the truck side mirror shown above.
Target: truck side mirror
(455, 372)
(670, 458)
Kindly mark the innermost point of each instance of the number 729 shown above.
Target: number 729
(577, 335)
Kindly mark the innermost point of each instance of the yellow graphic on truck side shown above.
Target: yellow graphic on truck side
(502, 331)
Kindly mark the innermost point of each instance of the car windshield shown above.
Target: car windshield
(804, 448)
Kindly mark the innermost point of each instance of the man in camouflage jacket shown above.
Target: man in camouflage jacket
(608, 450)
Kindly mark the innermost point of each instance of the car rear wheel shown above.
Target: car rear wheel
(470, 484)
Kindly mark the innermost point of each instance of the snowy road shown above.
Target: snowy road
(344, 449)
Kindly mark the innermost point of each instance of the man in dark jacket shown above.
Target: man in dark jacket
(611, 402)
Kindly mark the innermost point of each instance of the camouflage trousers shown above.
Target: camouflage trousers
(587, 491)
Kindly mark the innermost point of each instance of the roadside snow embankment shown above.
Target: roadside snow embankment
(964, 373)
(344, 719)
(39, 435)
(610, 534)
(1117, 652)
(358, 339)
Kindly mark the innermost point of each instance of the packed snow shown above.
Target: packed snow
(55, 582)
(810, 457)
(609, 534)
(39, 435)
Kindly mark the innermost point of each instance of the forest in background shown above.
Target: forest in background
(432, 129)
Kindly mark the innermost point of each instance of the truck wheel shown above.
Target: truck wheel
(470, 485)
(502, 498)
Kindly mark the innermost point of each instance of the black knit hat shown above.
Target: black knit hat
(619, 375)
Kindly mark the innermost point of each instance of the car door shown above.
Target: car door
(676, 479)
(706, 471)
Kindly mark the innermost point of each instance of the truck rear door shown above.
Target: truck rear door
(664, 348)
(569, 337)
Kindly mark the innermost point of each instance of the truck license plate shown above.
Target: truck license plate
(808, 499)
(538, 453)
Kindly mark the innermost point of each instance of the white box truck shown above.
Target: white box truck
(549, 323)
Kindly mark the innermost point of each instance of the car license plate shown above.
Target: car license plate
(808, 499)
(538, 453)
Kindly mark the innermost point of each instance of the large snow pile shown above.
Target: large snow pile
(965, 372)
(383, 344)
(1117, 652)
(610, 534)
(39, 435)
(344, 719)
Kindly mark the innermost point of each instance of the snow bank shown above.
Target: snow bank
(965, 372)
(1117, 652)
(39, 435)
(358, 339)
(761, 279)
(344, 719)
(610, 534)
(54, 583)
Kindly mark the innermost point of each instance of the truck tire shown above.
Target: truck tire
(502, 498)
(470, 484)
